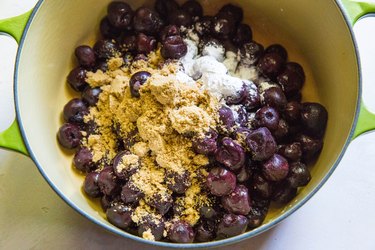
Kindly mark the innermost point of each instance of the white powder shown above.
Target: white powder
(215, 50)
(193, 36)
(251, 119)
(212, 68)
(192, 47)
(246, 57)
(188, 60)
(218, 27)
(190, 34)
(253, 89)
(231, 62)
(263, 86)
(184, 78)
(250, 115)
(247, 72)
(235, 109)
(221, 85)
(208, 64)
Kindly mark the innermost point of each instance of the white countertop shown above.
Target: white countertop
(339, 216)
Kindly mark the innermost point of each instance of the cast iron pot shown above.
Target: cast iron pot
(317, 34)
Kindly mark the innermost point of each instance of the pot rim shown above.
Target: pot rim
(232, 240)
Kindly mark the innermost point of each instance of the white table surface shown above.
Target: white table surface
(339, 216)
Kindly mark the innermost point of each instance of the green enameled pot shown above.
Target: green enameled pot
(318, 34)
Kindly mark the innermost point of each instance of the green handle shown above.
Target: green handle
(355, 10)
(14, 26)
(12, 138)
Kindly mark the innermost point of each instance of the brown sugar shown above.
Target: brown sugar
(190, 119)
(97, 79)
(128, 162)
(162, 123)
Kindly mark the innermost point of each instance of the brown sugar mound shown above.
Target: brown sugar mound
(160, 126)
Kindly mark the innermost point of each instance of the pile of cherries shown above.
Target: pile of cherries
(260, 151)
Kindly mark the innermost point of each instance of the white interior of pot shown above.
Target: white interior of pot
(314, 33)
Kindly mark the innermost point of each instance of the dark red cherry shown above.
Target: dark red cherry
(267, 117)
(173, 47)
(243, 35)
(85, 56)
(165, 7)
(261, 143)
(275, 97)
(314, 117)
(278, 49)
(181, 232)
(147, 21)
(271, 64)
(276, 168)
(237, 202)
(291, 78)
(77, 79)
(180, 18)
(299, 175)
(231, 225)
(90, 185)
(230, 154)
(120, 216)
(145, 44)
(105, 49)
(193, 7)
(221, 181)
(136, 81)
(231, 12)
(120, 14)
(83, 160)
(75, 111)
(69, 136)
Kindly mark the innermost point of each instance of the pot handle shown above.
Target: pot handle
(355, 9)
(12, 138)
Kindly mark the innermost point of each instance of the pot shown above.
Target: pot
(317, 34)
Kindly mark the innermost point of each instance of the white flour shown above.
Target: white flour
(231, 62)
(253, 89)
(184, 78)
(263, 86)
(217, 73)
(247, 72)
(214, 50)
(192, 51)
(235, 109)
(188, 60)
(208, 64)
(218, 27)
(221, 85)
(190, 34)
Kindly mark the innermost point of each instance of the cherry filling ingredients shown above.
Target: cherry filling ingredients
(187, 129)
